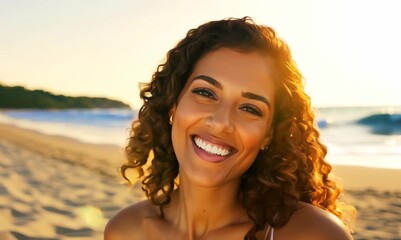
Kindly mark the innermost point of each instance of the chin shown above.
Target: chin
(205, 177)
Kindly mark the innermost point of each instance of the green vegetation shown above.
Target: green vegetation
(20, 97)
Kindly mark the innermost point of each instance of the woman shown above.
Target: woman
(236, 154)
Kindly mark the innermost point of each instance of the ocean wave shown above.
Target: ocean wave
(384, 124)
(90, 117)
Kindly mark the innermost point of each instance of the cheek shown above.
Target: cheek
(185, 117)
(252, 142)
(253, 136)
(188, 113)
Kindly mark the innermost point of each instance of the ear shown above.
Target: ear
(267, 140)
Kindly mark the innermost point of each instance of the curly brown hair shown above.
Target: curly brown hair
(292, 169)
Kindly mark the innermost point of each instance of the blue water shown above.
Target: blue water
(92, 117)
(106, 126)
(367, 136)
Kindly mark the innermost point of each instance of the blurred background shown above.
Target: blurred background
(78, 65)
(348, 52)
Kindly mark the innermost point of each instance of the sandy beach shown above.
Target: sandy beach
(52, 187)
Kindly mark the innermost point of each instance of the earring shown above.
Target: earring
(263, 148)
(171, 121)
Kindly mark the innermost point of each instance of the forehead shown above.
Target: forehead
(247, 70)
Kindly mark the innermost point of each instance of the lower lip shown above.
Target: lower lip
(207, 156)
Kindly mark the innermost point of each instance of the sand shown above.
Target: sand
(52, 187)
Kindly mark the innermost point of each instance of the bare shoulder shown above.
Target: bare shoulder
(312, 223)
(128, 222)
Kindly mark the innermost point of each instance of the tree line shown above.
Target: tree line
(20, 97)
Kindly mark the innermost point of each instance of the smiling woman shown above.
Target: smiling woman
(235, 151)
(223, 118)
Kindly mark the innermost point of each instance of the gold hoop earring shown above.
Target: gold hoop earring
(171, 121)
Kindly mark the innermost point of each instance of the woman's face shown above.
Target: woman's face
(224, 116)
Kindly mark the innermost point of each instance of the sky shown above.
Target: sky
(348, 51)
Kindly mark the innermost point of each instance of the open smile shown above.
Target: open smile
(212, 150)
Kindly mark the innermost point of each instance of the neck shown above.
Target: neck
(198, 210)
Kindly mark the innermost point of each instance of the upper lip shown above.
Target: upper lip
(215, 140)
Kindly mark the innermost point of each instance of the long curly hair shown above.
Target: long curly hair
(292, 169)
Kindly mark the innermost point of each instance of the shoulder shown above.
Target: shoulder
(313, 223)
(128, 222)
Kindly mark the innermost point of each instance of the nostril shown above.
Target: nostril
(220, 122)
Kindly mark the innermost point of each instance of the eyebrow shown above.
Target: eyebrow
(210, 80)
(256, 97)
(217, 84)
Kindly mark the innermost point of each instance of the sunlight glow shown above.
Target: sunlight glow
(92, 216)
(347, 54)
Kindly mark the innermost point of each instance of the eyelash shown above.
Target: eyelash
(252, 110)
(204, 92)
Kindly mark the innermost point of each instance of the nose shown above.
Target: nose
(221, 120)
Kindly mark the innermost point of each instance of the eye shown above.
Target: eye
(252, 110)
(204, 92)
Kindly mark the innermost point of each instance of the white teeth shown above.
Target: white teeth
(212, 149)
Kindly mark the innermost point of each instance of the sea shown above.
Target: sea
(360, 136)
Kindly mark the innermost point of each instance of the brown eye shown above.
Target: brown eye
(204, 92)
(251, 109)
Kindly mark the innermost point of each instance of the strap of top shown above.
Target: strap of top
(269, 233)
(270, 230)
